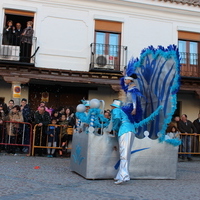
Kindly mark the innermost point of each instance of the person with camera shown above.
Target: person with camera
(26, 43)
(9, 33)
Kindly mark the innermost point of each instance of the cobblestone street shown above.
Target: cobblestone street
(44, 178)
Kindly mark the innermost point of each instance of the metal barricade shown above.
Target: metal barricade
(16, 134)
(40, 138)
(190, 144)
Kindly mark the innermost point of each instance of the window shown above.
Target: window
(107, 44)
(17, 16)
(107, 37)
(188, 47)
(113, 41)
(188, 51)
(11, 47)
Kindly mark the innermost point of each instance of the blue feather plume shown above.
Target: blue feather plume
(158, 70)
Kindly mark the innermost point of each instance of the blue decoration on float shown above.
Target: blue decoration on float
(148, 119)
(174, 142)
(137, 150)
(77, 156)
(158, 71)
(93, 118)
(82, 116)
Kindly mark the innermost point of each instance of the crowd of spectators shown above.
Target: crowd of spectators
(51, 130)
(184, 129)
(53, 124)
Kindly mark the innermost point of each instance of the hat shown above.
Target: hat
(128, 78)
(116, 103)
(86, 102)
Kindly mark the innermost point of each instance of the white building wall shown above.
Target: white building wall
(65, 29)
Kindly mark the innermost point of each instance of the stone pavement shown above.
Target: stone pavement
(53, 180)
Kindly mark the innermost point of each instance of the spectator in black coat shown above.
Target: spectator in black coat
(42, 119)
(18, 32)
(8, 33)
(186, 126)
(26, 112)
(196, 123)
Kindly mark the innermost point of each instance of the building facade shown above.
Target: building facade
(79, 48)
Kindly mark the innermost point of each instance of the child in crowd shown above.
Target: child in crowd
(173, 132)
(55, 115)
(2, 114)
(53, 134)
(64, 136)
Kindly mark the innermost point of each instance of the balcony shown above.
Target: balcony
(190, 65)
(108, 58)
(12, 52)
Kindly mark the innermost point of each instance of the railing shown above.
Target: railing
(15, 134)
(41, 139)
(15, 50)
(106, 57)
(190, 144)
(189, 64)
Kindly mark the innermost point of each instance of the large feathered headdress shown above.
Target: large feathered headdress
(130, 70)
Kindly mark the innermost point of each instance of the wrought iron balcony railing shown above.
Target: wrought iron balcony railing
(190, 64)
(108, 58)
(16, 51)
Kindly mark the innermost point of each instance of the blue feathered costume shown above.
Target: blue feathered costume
(133, 96)
(158, 79)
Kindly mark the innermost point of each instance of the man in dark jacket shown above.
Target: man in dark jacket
(186, 126)
(42, 119)
(26, 112)
(196, 123)
(18, 32)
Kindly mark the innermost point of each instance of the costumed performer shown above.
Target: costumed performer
(83, 125)
(132, 106)
(124, 129)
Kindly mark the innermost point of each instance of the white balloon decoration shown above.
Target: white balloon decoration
(95, 103)
(80, 108)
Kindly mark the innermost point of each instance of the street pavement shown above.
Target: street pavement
(42, 178)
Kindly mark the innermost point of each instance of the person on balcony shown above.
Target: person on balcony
(187, 127)
(18, 33)
(8, 33)
(26, 43)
